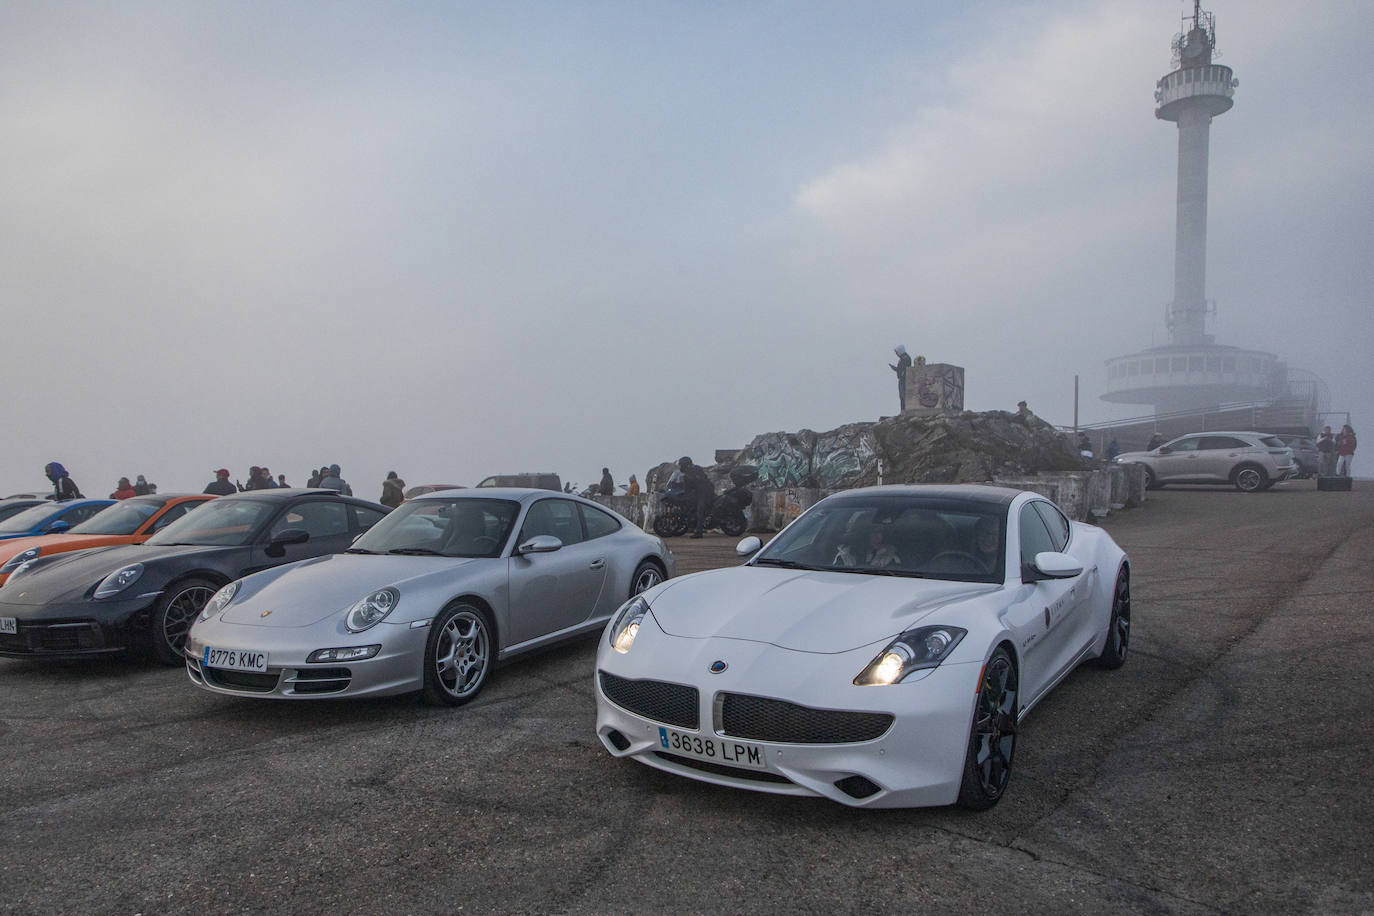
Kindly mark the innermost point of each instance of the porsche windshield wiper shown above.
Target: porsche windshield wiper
(416, 552)
(360, 550)
(785, 564)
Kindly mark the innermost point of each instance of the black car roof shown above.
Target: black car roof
(278, 495)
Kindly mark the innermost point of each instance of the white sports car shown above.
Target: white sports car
(429, 599)
(881, 651)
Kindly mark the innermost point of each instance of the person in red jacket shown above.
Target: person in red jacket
(124, 489)
(1345, 450)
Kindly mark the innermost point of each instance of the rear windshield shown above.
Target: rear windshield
(1272, 441)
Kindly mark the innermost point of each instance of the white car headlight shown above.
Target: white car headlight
(119, 580)
(923, 647)
(625, 625)
(19, 559)
(371, 610)
(219, 600)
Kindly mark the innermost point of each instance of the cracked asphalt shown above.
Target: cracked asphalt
(1224, 769)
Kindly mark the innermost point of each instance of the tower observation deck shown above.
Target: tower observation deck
(1193, 371)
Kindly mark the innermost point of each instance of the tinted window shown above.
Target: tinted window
(557, 517)
(320, 519)
(123, 518)
(1055, 521)
(81, 513)
(1188, 444)
(1035, 537)
(175, 513)
(1222, 442)
(598, 523)
(23, 521)
(226, 522)
(367, 517)
(1276, 442)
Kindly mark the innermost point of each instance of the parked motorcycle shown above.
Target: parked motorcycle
(677, 509)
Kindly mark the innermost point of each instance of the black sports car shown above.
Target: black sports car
(145, 596)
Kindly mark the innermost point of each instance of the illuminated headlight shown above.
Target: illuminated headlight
(625, 625)
(371, 610)
(119, 580)
(345, 654)
(19, 559)
(923, 647)
(219, 600)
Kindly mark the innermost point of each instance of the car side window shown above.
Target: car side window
(1221, 442)
(79, 514)
(598, 523)
(1183, 445)
(1035, 537)
(318, 518)
(367, 517)
(171, 515)
(1055, 521)
(557, 517)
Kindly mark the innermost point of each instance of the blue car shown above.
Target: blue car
(51, 517)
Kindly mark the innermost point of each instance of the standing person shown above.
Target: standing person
(1155, 442)
(1345, 450)
(123, 490)
(1085, 446)
(314, 479)
(220, 486)
(633, 488)
(699, 486)
(63, 485)
(1112, 450)
(393, 491)
(903, 364)
(1326, 449)
(267, 482)
(142, 487)
(333, 481)
(607, 484)
(281, 482)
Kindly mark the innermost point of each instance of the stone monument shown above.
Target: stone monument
(933, 389)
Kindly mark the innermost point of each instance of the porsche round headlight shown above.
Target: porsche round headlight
(625, 625)
(119, 580)
(923, 647)
(19, 559)
(371, 610)
(219, 600)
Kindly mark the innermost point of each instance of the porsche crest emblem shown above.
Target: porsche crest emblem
(264, 613)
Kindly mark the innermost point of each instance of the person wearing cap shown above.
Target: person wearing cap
(903, 364)
(221, 486)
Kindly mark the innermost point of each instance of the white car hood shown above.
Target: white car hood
(809, 611)
(303, 593)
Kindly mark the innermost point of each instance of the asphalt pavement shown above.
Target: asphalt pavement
(1224, 769)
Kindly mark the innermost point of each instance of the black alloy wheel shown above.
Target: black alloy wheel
(992, 738)
(176, 610)
(1119, 627)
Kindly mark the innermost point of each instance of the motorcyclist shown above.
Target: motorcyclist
(700, 490)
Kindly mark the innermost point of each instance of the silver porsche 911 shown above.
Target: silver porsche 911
(428, 600)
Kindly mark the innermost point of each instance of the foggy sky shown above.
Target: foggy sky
(458, 239)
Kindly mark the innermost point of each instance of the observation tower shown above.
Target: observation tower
(1193, 372)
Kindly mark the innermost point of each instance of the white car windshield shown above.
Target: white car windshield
(896, 536)
(453, 527)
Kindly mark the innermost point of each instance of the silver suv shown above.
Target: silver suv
(1250, 461)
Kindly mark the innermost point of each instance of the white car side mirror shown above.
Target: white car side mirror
(1052, 565)
(748, 546)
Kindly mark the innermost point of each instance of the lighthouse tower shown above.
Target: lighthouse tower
(1192, 371)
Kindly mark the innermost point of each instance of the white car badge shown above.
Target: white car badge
(718, 666)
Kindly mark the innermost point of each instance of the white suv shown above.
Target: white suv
(1250, 461)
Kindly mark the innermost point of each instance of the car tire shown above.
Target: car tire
(647, 574)
(1151, 483)
(734, 525)
(1249, 478)
(1119, 625)
(992, 736)
(178, 608)
(458, 655)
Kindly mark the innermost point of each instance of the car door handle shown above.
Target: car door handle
(599, 563)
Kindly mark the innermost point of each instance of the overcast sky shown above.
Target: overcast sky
(457, 239)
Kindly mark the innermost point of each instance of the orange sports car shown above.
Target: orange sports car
(131, 521)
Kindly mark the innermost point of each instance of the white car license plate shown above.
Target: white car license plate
(235, 659)
(9, 625)
(716, 750)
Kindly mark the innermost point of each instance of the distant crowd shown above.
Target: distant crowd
(259, 478)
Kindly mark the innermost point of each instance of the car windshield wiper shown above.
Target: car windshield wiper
(360, 550)
(785, 564)
(869, 571)
(416, 552)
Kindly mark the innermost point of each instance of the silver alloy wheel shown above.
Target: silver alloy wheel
(1249, 479)
(463, 654)
(646, 579)
(181, 612)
